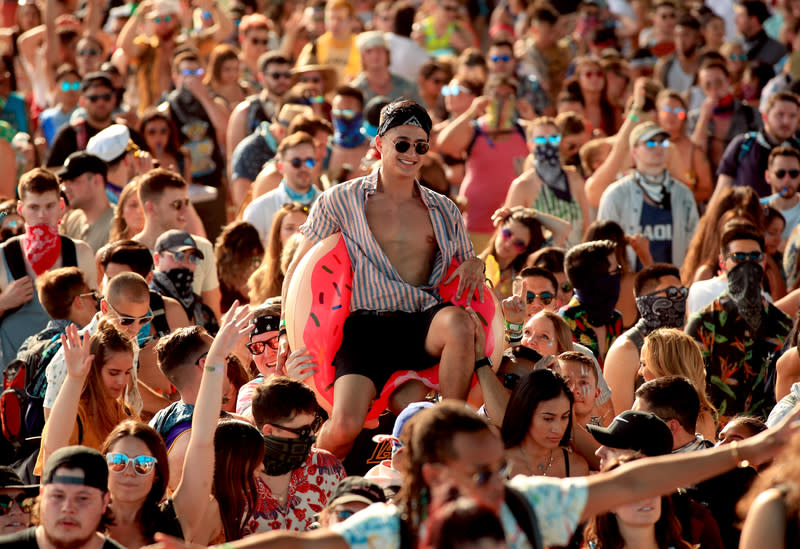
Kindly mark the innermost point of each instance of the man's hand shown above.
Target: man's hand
(235, 325)
(76, 353)
(480, 335)
(300, 365)
(514, 307)
(19, 292)
(470, 275)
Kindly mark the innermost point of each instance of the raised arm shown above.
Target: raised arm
(131, 29)
(194, 488)
(458, 134)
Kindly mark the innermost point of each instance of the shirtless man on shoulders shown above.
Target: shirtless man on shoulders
(401, 238)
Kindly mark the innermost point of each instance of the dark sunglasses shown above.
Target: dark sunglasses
(546, 297)
(420, 147)
(297, 163)
(88, 53)
(739, 257)
(179, 204)
(302, 432)
(258, 347)
(126, 320)
(276, 75)
(483, 476)
(780, 174)
(672, 292)
(310, 79)
(164, 18)
(505, 58)
(738, 57)
(24, 503)
(566, 287)
(509, 381)
(142, 465)
(100, 96)
(259, 41)
(70, 86)
(518, 243)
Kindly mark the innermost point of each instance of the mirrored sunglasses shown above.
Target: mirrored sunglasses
(142, 465)
(24, 502)
(545, 297)
(258, 347)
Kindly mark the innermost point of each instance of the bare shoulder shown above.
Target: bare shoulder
(577, 465)
(176, 315)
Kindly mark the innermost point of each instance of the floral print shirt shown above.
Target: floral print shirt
(738, 360)
(310, 488)
(583, 333)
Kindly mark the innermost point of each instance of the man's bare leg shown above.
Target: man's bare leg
(408, 392)
(451, 336)
(353, 395)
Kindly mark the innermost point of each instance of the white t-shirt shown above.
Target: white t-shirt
(261, 210)
(703, 292)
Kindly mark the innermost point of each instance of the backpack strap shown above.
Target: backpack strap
(159, 314)
(69, 253)
(525, 516)
(16, 263)
(747, 144)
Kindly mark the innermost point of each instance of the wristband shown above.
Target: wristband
(633, 117)
(513, 327)
(485, 361)
(282, 324)
(218, 369)
(740, 462)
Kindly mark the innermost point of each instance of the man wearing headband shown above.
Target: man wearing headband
(73, 504)
(401, 238)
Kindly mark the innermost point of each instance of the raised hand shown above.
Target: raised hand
(76, 353)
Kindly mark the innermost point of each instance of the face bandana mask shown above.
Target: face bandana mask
(601, 299)
(548, 167)
(347, 131)
(282, 455)
(42, 246)
(744, 287)
(177, 283)
(659, 311)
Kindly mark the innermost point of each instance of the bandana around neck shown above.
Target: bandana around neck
(42, 246)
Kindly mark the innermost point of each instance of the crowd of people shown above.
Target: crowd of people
(608, 189)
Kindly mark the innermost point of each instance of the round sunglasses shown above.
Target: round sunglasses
(421, 147)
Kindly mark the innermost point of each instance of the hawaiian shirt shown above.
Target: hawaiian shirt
(738, 360)
(583, 333)
(310, 488)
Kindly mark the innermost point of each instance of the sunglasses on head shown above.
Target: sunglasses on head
(780, 174)
(99, 97)
(347, 114)
(546, 297)
(297, 163)
(162, 18)
(505, 58)
(258, 347)
(302, 432)
(194, 259)
(553, 139)
(179, 204)
(739, 257)
(655, 143)
(680, 112)
(70, 86)
(193, 72)
(25, 503)
(142, 465)
(672, 292)
(518, 243)
(509, 381)
(421, 147)
(126, 320)
(276, 75)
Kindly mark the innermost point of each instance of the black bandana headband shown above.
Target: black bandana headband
(264, 324)
(404, 113)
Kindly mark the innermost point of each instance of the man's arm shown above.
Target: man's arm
(621, 366)
(237, 130)
(86, 263)
(724, 182)
(277, 539)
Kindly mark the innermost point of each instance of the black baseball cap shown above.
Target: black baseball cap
(97, 77)
(81, 162)
(176, 240)
(88, 460)
(357, 489)
(10, 480)
(640, 431)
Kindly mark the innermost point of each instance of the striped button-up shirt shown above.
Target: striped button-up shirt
(377, 286)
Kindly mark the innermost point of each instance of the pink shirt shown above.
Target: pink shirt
(490, 169)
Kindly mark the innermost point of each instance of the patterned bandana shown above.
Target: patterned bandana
(42, 246)
(404, 113)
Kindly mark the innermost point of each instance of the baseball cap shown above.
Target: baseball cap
(81, 162)
(10, 480)
(371, 39)
(111, 143)
(98, 77)
(88, 460)
(645, 132)
(357, 489)
(640, 431)
(176, 240)
(402, 418)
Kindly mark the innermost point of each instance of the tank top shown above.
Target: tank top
(547, 202)
(434, 44)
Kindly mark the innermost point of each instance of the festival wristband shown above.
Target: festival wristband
(513, 327)
(218, 369)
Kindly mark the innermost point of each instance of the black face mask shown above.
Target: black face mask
(182, 278)
(744, 287)
(600, 299)
(283, 455)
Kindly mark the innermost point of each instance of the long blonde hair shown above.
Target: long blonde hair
(671, 352)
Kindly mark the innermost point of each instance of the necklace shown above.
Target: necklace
(543, 469)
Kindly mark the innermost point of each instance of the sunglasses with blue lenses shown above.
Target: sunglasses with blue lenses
(347, 114)
(24, 502)
(193, 258)
(162, 18)
(654, 144)
(70, 86)
(546, 297)
(553, 139)
(505, 58)
(680, 112)
(738, 57)
(739, 257)
(193, 72)
(297, 163)
(454, 90)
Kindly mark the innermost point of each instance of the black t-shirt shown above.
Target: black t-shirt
(745, 160)
(26, 539)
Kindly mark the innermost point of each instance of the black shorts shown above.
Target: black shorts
(376, 345)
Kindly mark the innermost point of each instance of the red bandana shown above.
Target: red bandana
(42, 246)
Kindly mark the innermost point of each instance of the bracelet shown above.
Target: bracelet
(485, 361)
(740, 462)
(633, 117)
(513, 340)
(513, 327)
(218, 369)
(282, 323)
